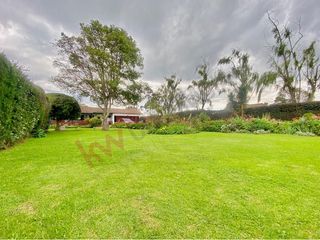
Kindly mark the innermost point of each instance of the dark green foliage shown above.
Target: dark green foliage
(260, 124)
(95, 122)
(23, 106)
(63, 107)
(285, 111)
(212, 126)
(235, 125)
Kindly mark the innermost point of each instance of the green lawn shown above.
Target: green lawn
(205, 185)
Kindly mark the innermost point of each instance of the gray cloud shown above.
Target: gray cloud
(174, 36)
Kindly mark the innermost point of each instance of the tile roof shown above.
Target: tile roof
(87, 109)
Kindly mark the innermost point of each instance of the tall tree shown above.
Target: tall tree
(311, 70)
(102, 63)
(168, 99)
(286, 59)
(63, 107)
(203, 88)
(240, 79)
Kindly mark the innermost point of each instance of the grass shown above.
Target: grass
(205, 185)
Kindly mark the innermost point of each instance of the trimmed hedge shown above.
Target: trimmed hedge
(277, 111)
(285, 111)
(24, 107)
(215, 115)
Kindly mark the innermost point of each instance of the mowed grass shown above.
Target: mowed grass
(205, 185)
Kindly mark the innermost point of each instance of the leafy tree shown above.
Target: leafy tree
(266, 80)
(168, 98)
(63, 107)
(240, 80)
(102, 63)
(203, 89)
(287, 61)
(311, 70)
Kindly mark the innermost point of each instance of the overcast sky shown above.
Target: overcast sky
(174, 36)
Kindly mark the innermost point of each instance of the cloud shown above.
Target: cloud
(174, 36)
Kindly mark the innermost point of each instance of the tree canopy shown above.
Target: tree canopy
(202, 90)
(63, 107)
(168, 98)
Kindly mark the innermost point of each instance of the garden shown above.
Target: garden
(250, 170)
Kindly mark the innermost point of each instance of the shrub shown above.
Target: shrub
(23, 106)
(304, 125)
(95, 122)
(235, 125)
(283, 127)
(260, 124)
(38, 133)
(212, 126)
(175, 128)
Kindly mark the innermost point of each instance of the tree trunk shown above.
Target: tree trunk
(202, 106)
(311, 95)
(105, 124)
(106, 111)
(292, 93)
(105, 121)
(241, 109)
(57, 125)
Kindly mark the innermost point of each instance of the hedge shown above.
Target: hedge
(277, 111)
(285, 111)
(216, 115)
(24, 107)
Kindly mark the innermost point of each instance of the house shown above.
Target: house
(116, 114)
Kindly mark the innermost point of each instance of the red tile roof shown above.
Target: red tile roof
(133, 111)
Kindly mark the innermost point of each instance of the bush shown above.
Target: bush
(283, 127)
(212, 126)
(38, 133)
(304, 125)
(95, 122)
(175, 128)
(235, 125)
(24, 107)
(260, 124)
